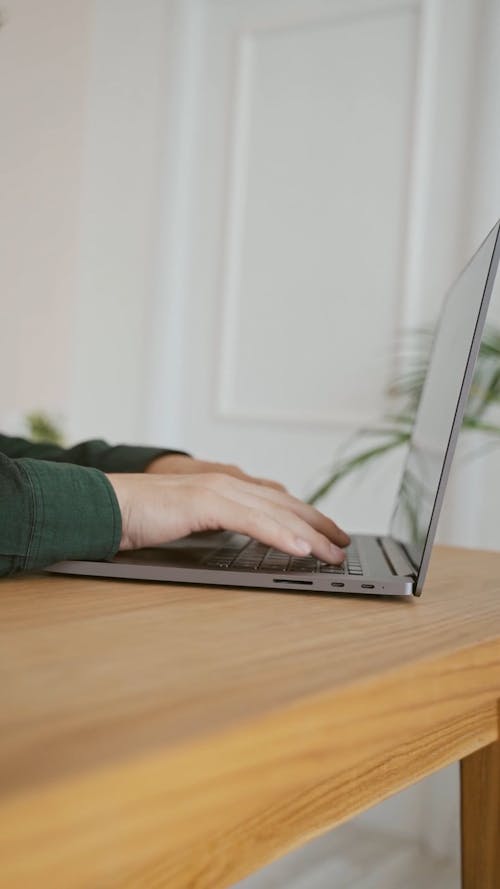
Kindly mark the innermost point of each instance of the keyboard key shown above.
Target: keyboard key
(273, 566)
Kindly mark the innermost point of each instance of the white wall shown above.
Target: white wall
(82, 92)
(89, 169)
(43, 77)
(122, 154)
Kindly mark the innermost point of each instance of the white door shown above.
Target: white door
(314, 187)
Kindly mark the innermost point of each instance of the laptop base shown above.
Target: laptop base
(185, 561)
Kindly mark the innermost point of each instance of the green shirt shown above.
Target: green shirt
(57, 503)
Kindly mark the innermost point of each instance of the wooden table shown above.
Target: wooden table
(165, 736)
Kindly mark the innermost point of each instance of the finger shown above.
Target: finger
(321, 545)
(236, 472)
(268, 483)
(243, 489)
(312, 516)
(223, 512)
(261, 482)
(232, 471)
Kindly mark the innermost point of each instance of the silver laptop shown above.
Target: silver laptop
(394, 564)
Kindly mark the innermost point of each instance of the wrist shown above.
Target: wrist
(118, 482)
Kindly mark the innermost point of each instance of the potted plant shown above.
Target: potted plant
(395, 428)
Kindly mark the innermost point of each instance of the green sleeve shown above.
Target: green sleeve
(50, 512)
(96, 453)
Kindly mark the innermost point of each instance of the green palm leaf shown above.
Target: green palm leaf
(406, 389)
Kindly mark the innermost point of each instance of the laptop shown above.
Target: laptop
(387, 564)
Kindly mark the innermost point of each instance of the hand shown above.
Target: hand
(159, 508)
(173, 464)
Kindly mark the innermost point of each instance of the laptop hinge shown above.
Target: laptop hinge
(397, 558)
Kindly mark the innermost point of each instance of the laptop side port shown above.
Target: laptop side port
(337, 584)
(367, 586)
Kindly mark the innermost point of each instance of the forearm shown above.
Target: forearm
(94, 453)
(52, 512)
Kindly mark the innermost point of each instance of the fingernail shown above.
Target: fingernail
(337, 553)
(303, 547)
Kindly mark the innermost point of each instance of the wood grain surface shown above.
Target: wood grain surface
(155, 735)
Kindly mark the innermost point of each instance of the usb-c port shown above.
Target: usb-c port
(367, 586)
(337, 584)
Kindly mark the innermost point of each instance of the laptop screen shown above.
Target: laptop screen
(442, 402)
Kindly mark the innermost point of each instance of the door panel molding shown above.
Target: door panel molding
(227, 404)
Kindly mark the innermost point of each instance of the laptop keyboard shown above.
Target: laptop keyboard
(255, 556)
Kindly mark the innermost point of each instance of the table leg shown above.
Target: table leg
(480, 818)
